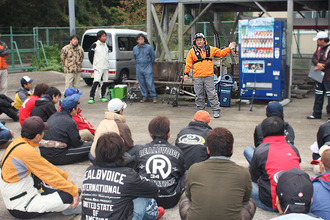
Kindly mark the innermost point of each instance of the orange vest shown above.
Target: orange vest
(3, 64)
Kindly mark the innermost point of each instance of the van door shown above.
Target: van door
(125, 57)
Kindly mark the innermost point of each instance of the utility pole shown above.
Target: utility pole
(72, 17)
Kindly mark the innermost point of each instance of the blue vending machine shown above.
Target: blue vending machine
(262, 59)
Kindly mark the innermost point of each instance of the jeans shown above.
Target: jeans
(255, 196)
(146, 81)
(145, 209)
(248, 153)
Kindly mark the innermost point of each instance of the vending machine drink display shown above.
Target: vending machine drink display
(262, 59)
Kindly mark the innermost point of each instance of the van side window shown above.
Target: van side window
(126, 43)
(89, 39)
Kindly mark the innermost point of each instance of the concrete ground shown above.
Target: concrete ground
(240, 123)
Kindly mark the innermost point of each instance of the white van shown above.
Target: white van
(120, 43)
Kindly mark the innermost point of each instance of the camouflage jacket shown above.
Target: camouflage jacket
(72, 58)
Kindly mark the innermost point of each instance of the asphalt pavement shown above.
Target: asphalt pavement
(240, 123)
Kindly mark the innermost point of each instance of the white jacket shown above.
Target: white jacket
(101, 56)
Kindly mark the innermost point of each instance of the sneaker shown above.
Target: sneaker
(216, 115)
(154, 100)
(161, 212)
(103, 99)
(313, 117)
(16, 118)
(71, 211)
(91, 101)
(143, 100)
(3, 122)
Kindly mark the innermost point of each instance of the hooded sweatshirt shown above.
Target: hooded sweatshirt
(44, 107)
(321, 205)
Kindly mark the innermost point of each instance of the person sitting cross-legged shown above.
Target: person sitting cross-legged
(218, 188)
(122, 192)
(273, 155)
(64, 129)
(162, 163)
(192, 139)
(22, 165)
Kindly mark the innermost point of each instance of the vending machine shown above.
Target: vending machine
(262, 59)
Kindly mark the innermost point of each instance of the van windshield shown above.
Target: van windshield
(89, 39)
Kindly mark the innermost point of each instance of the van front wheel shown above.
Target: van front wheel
(123, 76)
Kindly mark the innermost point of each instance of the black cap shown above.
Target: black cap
(294, 190)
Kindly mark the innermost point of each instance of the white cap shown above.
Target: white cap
(323, 148)
(115, 105)
(321, 35)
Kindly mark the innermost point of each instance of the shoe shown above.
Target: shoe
(71, 211)
(313, 117)
(154, 100)
(216, 115)
(161, 212)
(91, 101)
(3, 122)
(15, 118)
(143, 100)
(103, 99)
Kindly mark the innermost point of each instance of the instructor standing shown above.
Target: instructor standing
(321, 60)
(200, 56)
(144, 56)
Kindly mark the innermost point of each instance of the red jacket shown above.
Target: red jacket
(82, 122)
(26, 108)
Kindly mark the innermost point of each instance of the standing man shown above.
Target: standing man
(4, 51)
(99, 56)
(321, 60)
(72, 56)
(144, 56)
(200, 56)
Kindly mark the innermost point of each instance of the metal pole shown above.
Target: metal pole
(180, 33)
(12, 47)
(72, 17)
(289, 32)
(149, 22)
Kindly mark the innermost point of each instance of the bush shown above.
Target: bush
(53, 54)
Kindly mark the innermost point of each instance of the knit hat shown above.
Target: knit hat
(294, 190)
(115, 105)
(202, 116)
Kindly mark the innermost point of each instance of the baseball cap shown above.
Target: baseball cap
(320, 35)
(115, 105)
(294, 190)
(202, 116)
(69, 102)
(26, 80)
(34, 125)
(199, 35)
(72, 90)
(274, 108)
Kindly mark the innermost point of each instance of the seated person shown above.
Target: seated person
(21, 164)
(321, 184)
(86, 129)
(5, 135)
(192, 139)
(274, 109)
(134, 196)
(114, 121)
(27, 106)
(64, 129)
(6, 106)
(294, 192)
(203, 201)
(273, 155)
(45, 106)
(323, 136)
(23, 92)
(162, 163)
